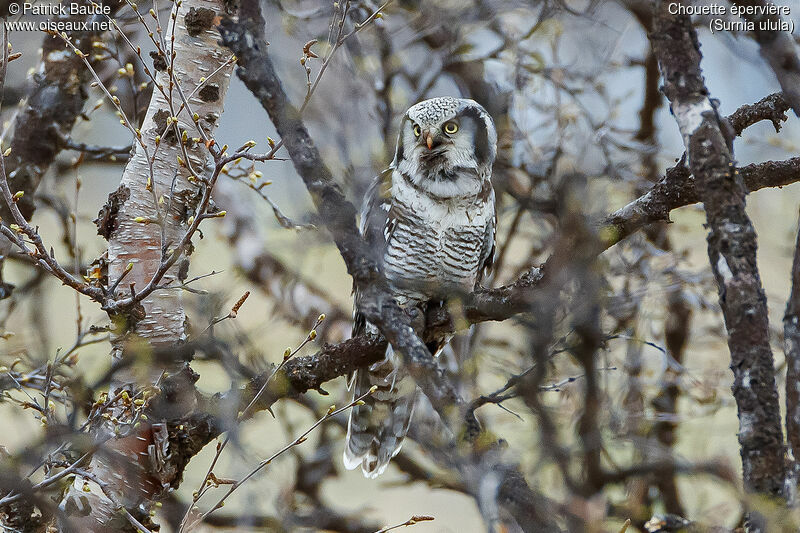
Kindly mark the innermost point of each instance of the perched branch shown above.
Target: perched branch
(245, 38)
(296, 377)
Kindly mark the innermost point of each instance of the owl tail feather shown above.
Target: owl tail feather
(376, 429)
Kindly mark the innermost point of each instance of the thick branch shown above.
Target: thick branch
(677, 188)
(731, 249)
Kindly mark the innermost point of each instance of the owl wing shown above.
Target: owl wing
(488, 247)
(377, 224)
(377, 427)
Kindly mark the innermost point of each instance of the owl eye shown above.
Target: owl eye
(450, 128)
(416, 131)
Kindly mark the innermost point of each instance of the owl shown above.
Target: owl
(431, 218)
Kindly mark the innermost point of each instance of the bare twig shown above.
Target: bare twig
(332, 412)
(416, 519)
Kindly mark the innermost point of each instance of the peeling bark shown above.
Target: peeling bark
(143, 225)
(141, 243)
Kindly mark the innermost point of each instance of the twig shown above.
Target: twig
(416, 519)
(332, 412)
(247, 410)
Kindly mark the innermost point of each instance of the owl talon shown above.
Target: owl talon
(393, 376)
(374, 367)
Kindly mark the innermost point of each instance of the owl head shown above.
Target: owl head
(446, 146)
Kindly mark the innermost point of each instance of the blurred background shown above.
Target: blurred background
(568, 87)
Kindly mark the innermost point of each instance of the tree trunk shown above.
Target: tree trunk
(732, 253)
(144, 220)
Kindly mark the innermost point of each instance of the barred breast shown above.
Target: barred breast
(435, 245)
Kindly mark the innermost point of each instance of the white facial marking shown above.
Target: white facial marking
(448, 167)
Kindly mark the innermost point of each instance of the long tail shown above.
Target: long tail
(376, 429)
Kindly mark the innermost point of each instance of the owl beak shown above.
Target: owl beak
(429, 139)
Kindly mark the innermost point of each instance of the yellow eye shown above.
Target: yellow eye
(416, 131)
(450, 128)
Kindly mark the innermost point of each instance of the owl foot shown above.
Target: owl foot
(390, 358)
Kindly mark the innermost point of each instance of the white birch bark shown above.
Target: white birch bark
(140, 243)
(125, 466)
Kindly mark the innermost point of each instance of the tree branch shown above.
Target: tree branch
(678, 188)
(777, 48)
(731, 250)
(245, 38)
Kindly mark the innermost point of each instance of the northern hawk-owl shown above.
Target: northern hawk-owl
(431, 218)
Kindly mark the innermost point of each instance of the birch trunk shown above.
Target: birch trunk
(136, 235)
(144, 220)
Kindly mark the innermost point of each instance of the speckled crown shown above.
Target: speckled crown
(434, 110)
